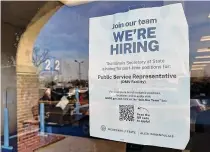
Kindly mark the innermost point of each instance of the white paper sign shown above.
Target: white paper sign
(139, 77)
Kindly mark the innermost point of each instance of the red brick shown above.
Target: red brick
(27, 97)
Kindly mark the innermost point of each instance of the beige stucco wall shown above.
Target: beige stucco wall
(25, 47)
(24, 52)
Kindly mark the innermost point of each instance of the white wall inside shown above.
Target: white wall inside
(8, 76)
(8, 85)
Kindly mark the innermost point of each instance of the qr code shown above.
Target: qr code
(126, 112)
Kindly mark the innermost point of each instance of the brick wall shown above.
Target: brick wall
(30, 141)
(27, 97)
(28, 138)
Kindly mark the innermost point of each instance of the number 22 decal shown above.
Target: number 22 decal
(48, 63)
(57, 65)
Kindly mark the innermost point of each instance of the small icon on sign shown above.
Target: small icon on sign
(141, 108)
(103, 128)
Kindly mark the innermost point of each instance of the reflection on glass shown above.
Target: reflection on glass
(65, 38)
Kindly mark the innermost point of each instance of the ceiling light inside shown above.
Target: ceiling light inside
(195, 69)
(205, 38)
(202, 57)
(199, 65)
(209, 15)
(201, 62)
(204, 50)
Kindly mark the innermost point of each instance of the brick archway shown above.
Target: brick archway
(27, 81)
(27, 78)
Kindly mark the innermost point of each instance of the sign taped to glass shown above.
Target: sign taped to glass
(140, 86)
